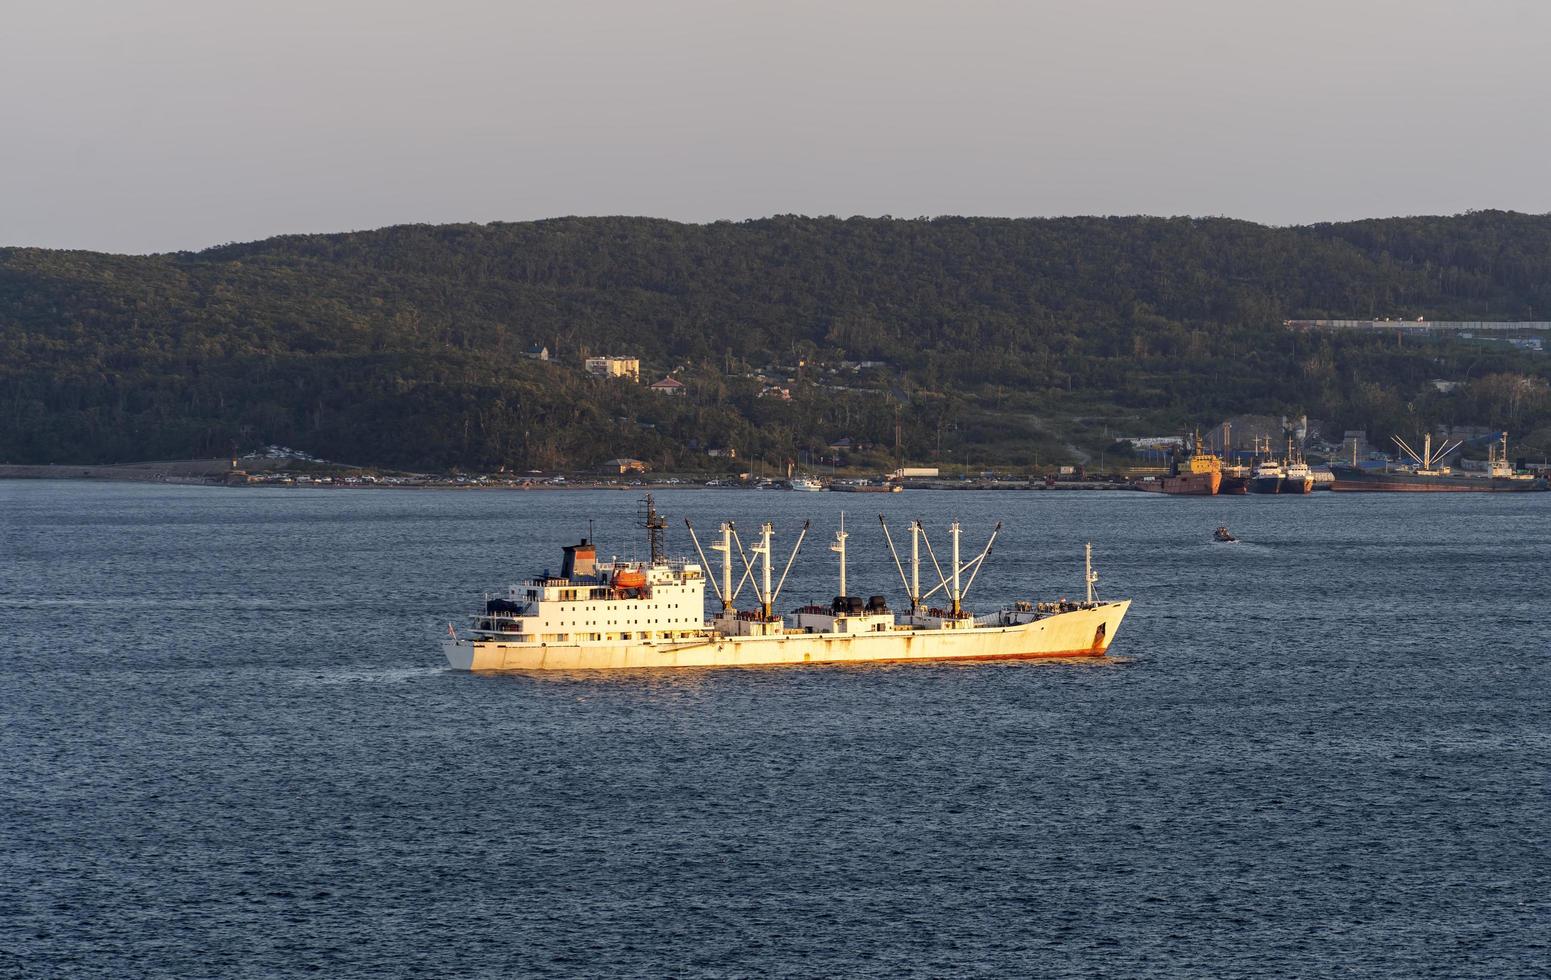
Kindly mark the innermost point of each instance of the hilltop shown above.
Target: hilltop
(986, 339)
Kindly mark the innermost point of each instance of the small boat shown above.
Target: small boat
(1223, 534)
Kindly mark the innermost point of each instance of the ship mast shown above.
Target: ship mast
(762, 550)
(725, 547)
(1089, 575)
(915, 564)
(1497, 456)
(957, 593)
(1427, 460)
(913, 583)
(839, 547)
(655, 525)
(762, 556)
(952, 584)
(724, 591)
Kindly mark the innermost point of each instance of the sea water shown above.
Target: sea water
(230, 746)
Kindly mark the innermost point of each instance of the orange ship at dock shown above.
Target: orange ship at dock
(1200, 476)
(1194, 484)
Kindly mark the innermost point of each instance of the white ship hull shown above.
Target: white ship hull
(1079, 633)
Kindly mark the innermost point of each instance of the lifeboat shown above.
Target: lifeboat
(630, 579)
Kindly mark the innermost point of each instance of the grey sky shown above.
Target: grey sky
(146, 126)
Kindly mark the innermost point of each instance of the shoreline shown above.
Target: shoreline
(266, 473)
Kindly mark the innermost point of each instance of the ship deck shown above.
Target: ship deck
(1079, 633)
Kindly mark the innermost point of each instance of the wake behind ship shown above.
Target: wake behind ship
(627, 614)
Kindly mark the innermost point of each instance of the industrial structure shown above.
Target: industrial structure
(1421, 326)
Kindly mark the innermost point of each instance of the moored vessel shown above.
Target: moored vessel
(627, 614)
(1235, 476)
(1268, 473)
(1199, 476)
(1235, 479)
(1297, 477)
(1427, 474)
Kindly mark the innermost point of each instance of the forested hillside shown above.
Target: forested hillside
(1000, 339)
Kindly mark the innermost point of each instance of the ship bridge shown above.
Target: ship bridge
(593, 601)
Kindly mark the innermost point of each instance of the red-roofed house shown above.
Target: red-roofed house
(669, 386)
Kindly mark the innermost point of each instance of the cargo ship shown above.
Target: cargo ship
(605, 615)
(1426, 474)
(1199, 476)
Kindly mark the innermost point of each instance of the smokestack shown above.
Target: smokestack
(580, 561)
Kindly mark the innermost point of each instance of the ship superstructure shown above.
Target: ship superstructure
(1199, 476)
(1235, 479)
(1297, 477)
(636, 614)
(1235, 476)
(1269, 473)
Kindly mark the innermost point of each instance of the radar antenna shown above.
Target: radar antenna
(656, 527)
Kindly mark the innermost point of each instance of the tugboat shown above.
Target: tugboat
(1224, 535)
(598, 615)
(1297, 477)
(1268, 471)
(1200, 476)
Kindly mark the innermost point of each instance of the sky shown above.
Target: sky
(144, 126)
